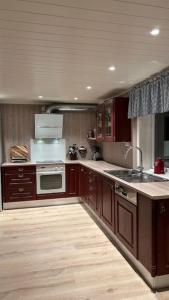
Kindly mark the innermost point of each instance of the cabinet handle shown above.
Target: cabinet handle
(20, 175)
(20, 190)
(20, 169)
(162, 209)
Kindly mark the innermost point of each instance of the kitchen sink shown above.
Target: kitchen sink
(134, 176)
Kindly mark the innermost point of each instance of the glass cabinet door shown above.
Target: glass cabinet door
(109, 120)
(100, 123)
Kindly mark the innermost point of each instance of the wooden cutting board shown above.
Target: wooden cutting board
(19, 152)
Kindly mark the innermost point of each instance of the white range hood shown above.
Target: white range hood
(48, 126)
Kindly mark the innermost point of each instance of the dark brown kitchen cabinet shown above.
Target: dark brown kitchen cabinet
(100, 118)
(19, 183)
(162, 213)
(153, 235)
(99, 194)
(107, 206)
(92, 190)
(83, 183)
(72, 180)
(116, 127)
(126, 223)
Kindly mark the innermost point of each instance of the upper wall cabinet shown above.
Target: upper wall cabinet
(115, 125)
(100, 123)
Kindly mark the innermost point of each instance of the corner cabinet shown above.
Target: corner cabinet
(113, 124)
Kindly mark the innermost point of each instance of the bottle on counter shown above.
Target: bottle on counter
(159, 166)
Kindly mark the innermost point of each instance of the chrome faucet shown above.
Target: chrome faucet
(130, 147)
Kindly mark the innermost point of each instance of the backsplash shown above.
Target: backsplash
(18, 125)
(114, 153)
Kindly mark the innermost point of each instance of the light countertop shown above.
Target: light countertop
(154, 190)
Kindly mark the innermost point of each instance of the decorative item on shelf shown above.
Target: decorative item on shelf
(83, 152)
(73, 152)
(92, 134)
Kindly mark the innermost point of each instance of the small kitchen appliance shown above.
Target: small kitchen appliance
(159, 166)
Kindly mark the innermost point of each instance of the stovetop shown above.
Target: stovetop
(48, 162)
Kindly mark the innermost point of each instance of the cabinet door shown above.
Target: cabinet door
(100, 123)
(122, 125)
(126, 223)
(92, 192)
(83, 183)
(99, 194)
(109, 121)
(72, 180)
(163, 237)
(107, 209)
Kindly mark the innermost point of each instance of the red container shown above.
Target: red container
(159, 166)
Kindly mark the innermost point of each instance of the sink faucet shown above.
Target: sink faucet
(130, 147)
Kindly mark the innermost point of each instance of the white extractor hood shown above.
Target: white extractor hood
(48, 126)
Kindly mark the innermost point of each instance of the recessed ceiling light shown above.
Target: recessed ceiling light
(155, 31)
(88, 87)
(122, 82)
(76, 98)
(40, 97)
(112, 68)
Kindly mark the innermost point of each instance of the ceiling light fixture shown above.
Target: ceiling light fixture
(155, 32)
(88, 87)
(112, 68)
(40, 97)
(76, 98)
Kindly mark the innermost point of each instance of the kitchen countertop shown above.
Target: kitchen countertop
(153, 190)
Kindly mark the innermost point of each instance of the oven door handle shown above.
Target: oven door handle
(50, 173)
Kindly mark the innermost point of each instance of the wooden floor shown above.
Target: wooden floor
(59, 253)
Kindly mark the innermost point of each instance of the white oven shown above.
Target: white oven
(50, 178)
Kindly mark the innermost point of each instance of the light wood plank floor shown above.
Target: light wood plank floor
(59, 253)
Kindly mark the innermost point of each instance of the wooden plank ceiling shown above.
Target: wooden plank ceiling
(55, 48)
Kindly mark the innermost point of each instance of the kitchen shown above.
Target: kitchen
(84, 150)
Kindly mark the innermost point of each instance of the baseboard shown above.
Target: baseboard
(39, 203)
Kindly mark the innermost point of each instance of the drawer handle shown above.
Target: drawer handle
(21, 190)
(20, 169)
(20, 175)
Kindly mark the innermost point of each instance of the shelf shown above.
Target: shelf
(91, 139)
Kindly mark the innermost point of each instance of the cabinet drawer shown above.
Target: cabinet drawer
(19, 178)
(22, 197)
(19, 170)
(19, 188)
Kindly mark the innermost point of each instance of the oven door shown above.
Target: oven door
(50, 182)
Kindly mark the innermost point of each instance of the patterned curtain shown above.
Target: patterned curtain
(150, 97)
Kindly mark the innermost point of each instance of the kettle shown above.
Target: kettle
(159, 166)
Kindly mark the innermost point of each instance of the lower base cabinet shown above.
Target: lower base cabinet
(83, 184)
(92, 190)
(107, 205)
(72, 180)
(126, 223)
(162, 213)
